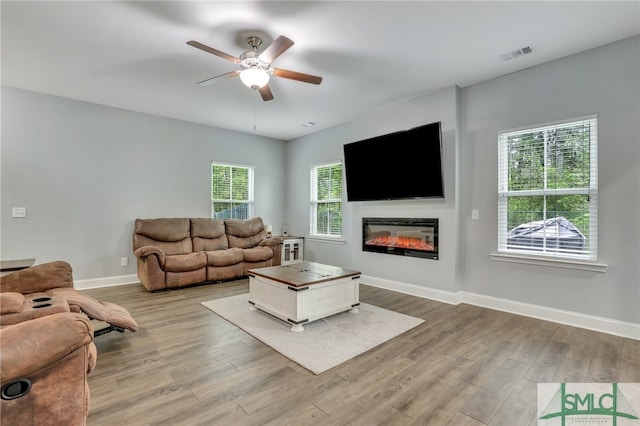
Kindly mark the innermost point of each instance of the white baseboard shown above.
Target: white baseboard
(574, 319)
(413, 290)
(105, 282)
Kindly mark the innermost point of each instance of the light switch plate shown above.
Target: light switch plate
(19, 212)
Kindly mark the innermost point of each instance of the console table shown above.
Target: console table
(7, 266)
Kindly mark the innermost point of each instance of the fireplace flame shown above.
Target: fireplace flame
(411, 243)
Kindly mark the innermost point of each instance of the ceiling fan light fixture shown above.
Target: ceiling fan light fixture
(255, 78)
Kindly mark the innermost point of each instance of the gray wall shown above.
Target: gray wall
(604, 81)
(85, 172)
(327, 146)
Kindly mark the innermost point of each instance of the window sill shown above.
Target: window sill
(555, 263)
(325, 239)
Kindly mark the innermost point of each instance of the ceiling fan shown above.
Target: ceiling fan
(255, 67)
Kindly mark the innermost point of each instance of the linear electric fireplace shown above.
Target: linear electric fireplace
(401, 236)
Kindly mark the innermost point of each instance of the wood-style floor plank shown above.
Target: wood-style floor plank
(465, 365)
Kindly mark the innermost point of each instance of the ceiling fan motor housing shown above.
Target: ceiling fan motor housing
(251, 59)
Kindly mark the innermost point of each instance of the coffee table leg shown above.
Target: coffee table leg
(297, 328)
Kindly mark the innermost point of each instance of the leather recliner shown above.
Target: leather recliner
(44, 363)
(47, 288)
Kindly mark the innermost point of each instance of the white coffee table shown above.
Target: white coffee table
(304, 292)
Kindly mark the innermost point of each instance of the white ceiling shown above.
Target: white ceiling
(133, 54)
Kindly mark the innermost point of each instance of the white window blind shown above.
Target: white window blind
(326, 200)
(231, 191)
(548, 190)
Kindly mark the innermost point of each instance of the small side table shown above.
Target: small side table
(292, 250)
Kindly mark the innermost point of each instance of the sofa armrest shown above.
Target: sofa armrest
(151, 267)
(31, 346)
(276, 245)
(147, 251)
(38, 278)
(34, 307)
(272, 242)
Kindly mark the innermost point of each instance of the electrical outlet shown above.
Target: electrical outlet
(475, 214)
(124, 261)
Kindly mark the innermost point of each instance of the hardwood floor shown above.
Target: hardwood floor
(465, 365)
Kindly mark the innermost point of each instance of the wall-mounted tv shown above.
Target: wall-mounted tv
(396, 166)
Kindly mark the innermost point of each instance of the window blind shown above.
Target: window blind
(231, 191)
(548, 191)
(326, 200)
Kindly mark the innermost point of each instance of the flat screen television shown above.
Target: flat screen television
(401, 165)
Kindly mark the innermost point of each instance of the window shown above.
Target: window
(548, 190)
(326, 200)
(231, 191)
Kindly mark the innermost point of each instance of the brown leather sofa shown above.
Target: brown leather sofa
(46, 289)
(178, 252)
(44, 366)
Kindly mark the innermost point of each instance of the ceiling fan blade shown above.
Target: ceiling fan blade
(265, 92)
(293, 75)
(275, 49)
(213, 51)
(210, 81)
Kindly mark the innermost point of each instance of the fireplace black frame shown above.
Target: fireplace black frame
(430, 223)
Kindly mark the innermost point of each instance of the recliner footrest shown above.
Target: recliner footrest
(108, 329)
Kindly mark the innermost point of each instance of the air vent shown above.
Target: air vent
(518, 53)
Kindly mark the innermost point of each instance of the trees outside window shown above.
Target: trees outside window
(231, 191)
(547, 189)
(326, 200)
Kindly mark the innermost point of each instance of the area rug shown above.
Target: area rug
(324, 343)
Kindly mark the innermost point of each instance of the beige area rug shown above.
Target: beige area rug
(324, 343)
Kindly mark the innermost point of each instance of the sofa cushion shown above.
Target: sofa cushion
(257, 254)
(220, 273)
(245, 233)
(185, 262)
(208, 234)
(172, 235)
(227, 257)
(184, 279)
